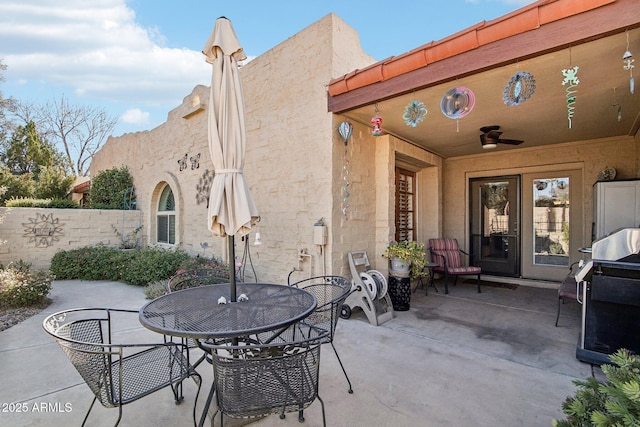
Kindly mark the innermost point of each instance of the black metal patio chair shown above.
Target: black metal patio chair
(118, 374)
(331, 292)
(569, 289)
(253, 380)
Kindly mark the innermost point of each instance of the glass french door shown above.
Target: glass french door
(495, 220)
(552, 223)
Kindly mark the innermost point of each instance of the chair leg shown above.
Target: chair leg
(90, 408)
(558, 314)
(479, 291)
(446, 282)
(342, 366)
(324, 421)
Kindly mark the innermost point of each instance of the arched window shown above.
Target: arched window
(167, 217)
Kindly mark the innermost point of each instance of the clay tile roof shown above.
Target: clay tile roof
(524, 19)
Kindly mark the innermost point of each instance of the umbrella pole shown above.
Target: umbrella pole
(232, 268)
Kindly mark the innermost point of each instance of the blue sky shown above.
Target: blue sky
(139, 58)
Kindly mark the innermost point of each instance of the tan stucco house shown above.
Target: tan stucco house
(514, 207)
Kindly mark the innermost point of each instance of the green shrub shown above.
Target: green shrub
(139, 267)
(20, 287)
(152, 264)
(89, 263)
(28, 202)
(156, 289)
(614, 403)
(63, 204)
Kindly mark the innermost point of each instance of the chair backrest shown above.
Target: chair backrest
(198, 277)
(447, 249)
(259, 380)
(84, 336)
(330, 291)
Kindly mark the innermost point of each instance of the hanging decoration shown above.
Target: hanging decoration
(345, 128)
(519, 89)
(617, 105)
(376, 123)
(571, 79)
(627, 64)
(414, 113)
(457, 103)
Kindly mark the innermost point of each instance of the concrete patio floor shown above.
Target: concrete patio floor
(463, 359)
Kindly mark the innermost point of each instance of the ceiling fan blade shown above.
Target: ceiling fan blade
(487, 129)
(510, 141)
(494, 134)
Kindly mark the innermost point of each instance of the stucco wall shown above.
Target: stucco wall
(293, 157)
(589, 156)
(34, 235)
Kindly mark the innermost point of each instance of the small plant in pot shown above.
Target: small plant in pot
(409, 252)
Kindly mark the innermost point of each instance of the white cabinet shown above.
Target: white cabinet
(616, 205)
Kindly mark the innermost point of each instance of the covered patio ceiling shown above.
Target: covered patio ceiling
(593, 39)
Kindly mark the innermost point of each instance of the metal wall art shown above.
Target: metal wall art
(194, 160)
(571, 81)
(43, 230)
(345, 128)
(414, 113)
(203, 188)
(519, 89)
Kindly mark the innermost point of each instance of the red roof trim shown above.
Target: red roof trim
(524, 19)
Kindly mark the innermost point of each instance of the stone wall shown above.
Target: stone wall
(293, 159)
(34, 235)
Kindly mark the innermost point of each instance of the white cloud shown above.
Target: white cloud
(135, 116)
(97, 49)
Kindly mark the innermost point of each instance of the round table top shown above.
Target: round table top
(196, 313)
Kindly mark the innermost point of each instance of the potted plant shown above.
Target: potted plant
(410, 253)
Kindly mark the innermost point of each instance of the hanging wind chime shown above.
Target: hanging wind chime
(571, 79)
(627, 64)
(345, 128)
(457, 103)
(376, 123)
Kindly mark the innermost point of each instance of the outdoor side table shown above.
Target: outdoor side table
(196, 313)
(428, 266)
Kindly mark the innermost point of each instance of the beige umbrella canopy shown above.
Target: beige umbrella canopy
(231, 207)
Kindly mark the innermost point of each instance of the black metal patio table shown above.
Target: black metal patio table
(206, 313)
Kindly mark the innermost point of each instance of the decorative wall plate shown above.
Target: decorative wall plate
(457, 102)
(519, 89)
(607, 174)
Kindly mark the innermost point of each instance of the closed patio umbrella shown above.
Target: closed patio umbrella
(231, 207)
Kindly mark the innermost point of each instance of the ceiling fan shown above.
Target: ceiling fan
(490, 137)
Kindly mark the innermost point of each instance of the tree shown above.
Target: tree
(6, 105)
(26, 152)
(79, 130)
(109, 187)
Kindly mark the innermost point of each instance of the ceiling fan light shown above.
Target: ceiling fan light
(489, 145)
